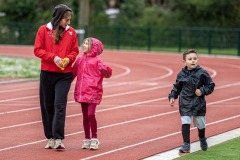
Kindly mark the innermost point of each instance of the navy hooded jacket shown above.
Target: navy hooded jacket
(186, 84)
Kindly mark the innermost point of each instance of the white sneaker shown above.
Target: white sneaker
(59, 144)
(94, 144)
(50, 144)
(86, 144)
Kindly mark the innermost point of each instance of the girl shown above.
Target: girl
(90, 71)
(56, 44)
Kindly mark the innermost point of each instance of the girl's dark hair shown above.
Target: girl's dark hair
(58, 32)
(188, 52)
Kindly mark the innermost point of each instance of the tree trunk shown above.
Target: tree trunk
(83, 13)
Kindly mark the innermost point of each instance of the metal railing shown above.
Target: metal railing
(173, 39)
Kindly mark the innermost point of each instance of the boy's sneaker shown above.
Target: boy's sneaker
(50, 144)
(203, 144)
(59, 144)
(185, 148)
(94, 144)
(86, 144)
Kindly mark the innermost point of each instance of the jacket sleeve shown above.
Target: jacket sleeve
(75, 68)
(208, 85)
(39, 45)
(177, 87)
(74, 49)
(105, 70)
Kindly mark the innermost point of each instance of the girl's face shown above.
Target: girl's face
(65, 21)
(191, 61)
(86, 46)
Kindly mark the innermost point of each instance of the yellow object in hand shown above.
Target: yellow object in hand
(64, 60)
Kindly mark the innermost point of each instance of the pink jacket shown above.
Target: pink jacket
(90, 71)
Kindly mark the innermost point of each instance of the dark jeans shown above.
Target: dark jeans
(54, 88)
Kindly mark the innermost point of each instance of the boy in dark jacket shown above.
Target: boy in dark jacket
(192, 84)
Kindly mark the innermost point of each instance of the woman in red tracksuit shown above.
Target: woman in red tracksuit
(56, 44)
(90, 71)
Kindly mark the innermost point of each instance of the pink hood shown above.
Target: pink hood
(90, 71)
(97, 48)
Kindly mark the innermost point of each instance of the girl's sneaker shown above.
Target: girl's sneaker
(86, 144)
(50, 144)
(185, 148)
(59, 144)
(94, 144)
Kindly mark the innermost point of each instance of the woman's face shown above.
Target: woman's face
(65, 21)
(86, 46)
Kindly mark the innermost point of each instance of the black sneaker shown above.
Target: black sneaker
(185, 148)
(203, 144)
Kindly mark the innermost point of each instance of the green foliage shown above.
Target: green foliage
(30, 11)
(131, 12)
(19, 11)
(211, 13)
(195, 13)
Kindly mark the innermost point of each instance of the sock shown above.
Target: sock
(201, 133)
(186, 133)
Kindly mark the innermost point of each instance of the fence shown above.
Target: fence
(173, 39)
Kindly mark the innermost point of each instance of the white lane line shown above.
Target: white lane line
(19, 89)
(124, 93)
(214, 72)
(127, 70)
(161, 114)
(19, 98)
(158, 138)
(28, 97)
(101, 110)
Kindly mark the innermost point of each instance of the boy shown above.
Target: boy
(192, 84)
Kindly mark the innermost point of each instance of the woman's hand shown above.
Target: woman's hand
(58, 61)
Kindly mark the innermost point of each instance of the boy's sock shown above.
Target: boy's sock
(186, 133)
(201, 133)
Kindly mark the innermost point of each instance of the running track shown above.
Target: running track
(134, 119)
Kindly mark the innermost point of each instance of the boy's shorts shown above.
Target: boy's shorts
(198, 121)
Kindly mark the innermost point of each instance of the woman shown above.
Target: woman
(56, 44)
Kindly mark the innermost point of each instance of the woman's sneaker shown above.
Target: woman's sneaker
(59, 144)
(86, 144)
(94, 144)
(185, 148)
(50, 144)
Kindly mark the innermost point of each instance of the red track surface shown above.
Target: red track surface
(134, 118)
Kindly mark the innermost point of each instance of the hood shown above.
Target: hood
(58, 12)
(97, 47)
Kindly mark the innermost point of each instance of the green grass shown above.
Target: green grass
(11, 67)
(229, 150)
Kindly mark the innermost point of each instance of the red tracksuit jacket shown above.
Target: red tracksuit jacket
(46, 49)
